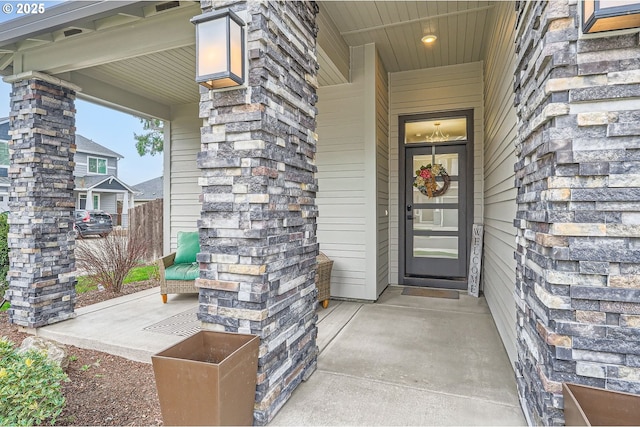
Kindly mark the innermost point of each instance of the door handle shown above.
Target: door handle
(409, 212)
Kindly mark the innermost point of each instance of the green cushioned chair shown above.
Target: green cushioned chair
(179, 270)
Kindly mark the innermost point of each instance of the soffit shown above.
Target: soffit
(167, 77)
(396, 28)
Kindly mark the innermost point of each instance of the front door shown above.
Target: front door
(437, 203)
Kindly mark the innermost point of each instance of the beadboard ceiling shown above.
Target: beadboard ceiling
(174, 69)
(104, 52)
(396, 27)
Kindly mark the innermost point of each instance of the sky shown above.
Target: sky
(112, 129)
(103, 125)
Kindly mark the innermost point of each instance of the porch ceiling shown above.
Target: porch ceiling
(166, 77)
(396, 27)
(139, 57)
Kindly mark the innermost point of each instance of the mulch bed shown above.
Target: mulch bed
(103, 389)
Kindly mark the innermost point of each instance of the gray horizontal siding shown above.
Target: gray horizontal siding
(498, 273)
(184, 205)
(341, 175)
(382, 175)
(108, 202)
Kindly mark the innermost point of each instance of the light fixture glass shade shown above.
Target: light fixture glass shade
(428, 39)
(219, 49)
(236, 48)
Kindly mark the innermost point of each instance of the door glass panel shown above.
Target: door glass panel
(451, 196)
(435, 247)
(435, 219)
(434, 131)
(449, 161)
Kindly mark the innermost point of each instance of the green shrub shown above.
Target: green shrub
(137, 274)
(30, 387)
(110, 259)
(4, 254)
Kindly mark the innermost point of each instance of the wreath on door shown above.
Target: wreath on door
(425, 180)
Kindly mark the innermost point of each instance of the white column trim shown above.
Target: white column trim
(89, 203)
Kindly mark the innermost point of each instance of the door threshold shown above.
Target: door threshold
(430, 282)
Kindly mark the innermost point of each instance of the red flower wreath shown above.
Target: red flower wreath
(425, 180)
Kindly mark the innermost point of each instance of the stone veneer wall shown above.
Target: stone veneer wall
(578, 218)
(258, 222)
(41, 259)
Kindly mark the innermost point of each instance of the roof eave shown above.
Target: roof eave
(96, 153)
(58, 17)
(125, 185)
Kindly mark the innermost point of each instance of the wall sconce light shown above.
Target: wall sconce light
(219, 49)
(599, 16)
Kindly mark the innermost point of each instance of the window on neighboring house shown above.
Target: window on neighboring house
(4, 154)
(82, 201)
(97, 165)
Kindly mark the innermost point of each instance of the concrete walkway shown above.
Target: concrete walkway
(407, 361)
(404, 360)
(133, 326)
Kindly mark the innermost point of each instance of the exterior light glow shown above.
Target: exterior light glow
(428, 39)
(219, 49)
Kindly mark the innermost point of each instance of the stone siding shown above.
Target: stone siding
(578, 218)
(258, 221)
(41, 242)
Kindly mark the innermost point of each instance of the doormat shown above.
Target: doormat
(182, 324)
(431, 293)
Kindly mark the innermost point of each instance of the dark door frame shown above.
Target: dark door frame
(440, 282)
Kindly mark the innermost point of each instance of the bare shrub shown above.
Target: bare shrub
(109, 259)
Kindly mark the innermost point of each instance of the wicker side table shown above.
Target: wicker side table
(323, 279)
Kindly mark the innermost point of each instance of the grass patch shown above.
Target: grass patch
(85, 284)
(137, 274)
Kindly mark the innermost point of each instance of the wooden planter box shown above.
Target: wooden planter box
(591, 406)
(208, 379)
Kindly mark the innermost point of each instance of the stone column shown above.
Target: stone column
(41, 242)
(258, 222)
(578, 217)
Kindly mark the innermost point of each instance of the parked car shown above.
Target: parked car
(94, 222)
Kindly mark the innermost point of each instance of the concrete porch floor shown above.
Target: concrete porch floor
(403, 360)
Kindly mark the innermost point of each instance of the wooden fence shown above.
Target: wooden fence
(145, 221)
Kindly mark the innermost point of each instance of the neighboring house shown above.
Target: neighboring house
(4, 164)
(534, 118)
(97, 185)
(149, 190)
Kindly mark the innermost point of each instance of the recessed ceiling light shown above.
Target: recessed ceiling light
(428, 39)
